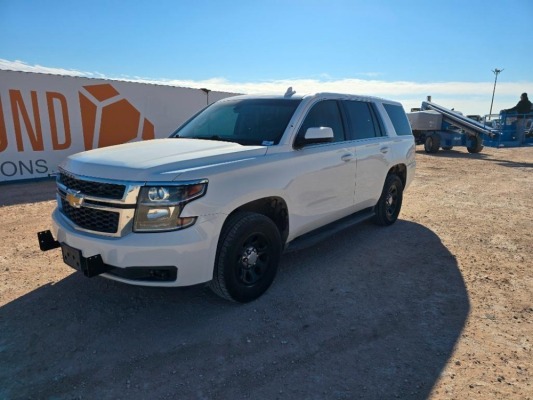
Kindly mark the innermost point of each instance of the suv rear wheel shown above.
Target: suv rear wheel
(389, 204)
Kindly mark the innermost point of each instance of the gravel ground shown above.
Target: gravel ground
(437, 306)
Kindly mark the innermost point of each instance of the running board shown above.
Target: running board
(320, 234)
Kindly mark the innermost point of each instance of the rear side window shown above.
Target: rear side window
(398, 118)
(324, 114)
(363, 122)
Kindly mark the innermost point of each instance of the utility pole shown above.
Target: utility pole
(496, 72)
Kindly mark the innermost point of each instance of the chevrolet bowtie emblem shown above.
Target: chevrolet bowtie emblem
(74, 198)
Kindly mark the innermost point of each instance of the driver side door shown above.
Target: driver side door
(324, 189)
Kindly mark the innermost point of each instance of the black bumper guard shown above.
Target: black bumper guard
(90, 266)
(47, 241)
(94, 265)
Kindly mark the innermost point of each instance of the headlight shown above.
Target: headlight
(159, 206)
(158, 193)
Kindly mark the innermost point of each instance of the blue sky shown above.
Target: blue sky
(403, 50)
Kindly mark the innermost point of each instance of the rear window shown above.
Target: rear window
(398, 118)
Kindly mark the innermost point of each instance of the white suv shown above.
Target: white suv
(243, 180)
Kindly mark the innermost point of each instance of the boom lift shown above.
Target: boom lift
(438, 127)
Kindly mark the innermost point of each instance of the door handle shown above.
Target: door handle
(347, 157)
(384, 150)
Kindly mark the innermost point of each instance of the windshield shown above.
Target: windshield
(247, 122)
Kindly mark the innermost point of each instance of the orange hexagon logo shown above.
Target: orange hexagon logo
(108, 118)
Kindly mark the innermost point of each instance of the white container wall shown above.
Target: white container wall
(45, 118)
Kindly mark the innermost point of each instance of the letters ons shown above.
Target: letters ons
(106, 119)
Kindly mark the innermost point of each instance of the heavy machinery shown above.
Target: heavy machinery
(437, 127)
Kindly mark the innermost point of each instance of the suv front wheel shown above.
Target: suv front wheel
(248, 254)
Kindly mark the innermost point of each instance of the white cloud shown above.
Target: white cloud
(24, 67)
(468, 97)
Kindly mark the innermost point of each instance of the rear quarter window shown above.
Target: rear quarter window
(398, 118)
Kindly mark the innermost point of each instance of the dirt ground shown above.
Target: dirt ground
(437, 306)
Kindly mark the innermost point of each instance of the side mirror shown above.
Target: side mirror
(321, 134)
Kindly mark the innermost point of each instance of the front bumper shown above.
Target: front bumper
(94, 265)
(179, 258)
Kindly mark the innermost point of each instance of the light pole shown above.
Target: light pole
(206, 91)
(496, 72)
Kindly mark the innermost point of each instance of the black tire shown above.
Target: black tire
(389, 204)
(447, 148)
(477, 145)
(432, 144)
(248, 254)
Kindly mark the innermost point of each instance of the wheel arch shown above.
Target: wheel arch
(273, 207)
(399, 170)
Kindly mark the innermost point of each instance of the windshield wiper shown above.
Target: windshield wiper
(214, 137)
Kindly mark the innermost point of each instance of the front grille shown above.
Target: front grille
(96, 189)
(91, 219)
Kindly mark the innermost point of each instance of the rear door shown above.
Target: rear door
(373, 149)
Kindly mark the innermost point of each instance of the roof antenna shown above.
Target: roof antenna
(289, 92)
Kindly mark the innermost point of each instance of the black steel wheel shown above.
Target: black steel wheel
(389, 204)
(248, 256)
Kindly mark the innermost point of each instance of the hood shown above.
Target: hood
(157, 160)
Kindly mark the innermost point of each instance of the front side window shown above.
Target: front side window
(324, 114)
(398, 118)
(247, 122)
